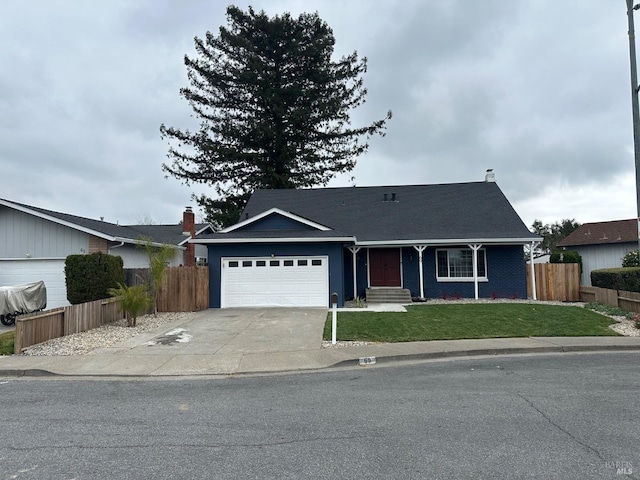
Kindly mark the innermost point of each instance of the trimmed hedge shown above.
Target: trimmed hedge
(89, 277)
(627, 279)
(566, 256)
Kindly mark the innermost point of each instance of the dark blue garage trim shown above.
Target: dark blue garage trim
(334, 251)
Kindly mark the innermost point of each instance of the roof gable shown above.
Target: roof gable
(445, 212)
(603, 233)
(275, 219)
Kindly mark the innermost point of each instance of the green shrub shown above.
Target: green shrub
(627, 279)
(89, 277)
(566, 256)
(631, 259)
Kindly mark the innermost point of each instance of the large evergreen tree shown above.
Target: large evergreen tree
(274, 110)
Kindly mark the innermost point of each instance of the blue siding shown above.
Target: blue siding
(333, 250)
(505, 269)
(276, 222)
(361, 267)
(506, 272)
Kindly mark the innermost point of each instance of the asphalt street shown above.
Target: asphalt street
(565, 416)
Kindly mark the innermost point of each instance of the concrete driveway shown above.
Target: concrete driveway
(238, 331)
(229, 340)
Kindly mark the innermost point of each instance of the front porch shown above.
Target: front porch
(402, 272)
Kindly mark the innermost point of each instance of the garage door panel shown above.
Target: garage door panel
(51, 272)
(285, 281)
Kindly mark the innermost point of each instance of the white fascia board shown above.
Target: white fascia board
(212, 241)
(189, 238)
(266, 213)
(451, 241)
(144, 242)
(49, 218)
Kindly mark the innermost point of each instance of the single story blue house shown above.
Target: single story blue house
(296, 247)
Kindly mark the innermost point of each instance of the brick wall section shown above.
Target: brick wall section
(98, 245)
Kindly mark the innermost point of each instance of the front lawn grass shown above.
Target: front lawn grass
(457, 321)
(6, 343)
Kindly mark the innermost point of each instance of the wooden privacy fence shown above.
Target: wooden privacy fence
(184, 289)
(555, 281)
(39, 327)
(629, 301)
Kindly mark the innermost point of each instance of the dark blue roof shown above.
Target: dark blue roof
(475, 210)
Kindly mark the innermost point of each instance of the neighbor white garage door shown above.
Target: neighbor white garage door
(51, 272)
(275, 282)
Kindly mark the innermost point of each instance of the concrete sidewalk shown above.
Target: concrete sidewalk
(231, 342)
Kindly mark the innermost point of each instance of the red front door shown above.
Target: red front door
(384, 267)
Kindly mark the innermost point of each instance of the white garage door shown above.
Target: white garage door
(51, 272)
(275, 282)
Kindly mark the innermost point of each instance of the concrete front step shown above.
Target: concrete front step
(388, 295)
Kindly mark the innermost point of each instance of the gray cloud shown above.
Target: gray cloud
(539, 91)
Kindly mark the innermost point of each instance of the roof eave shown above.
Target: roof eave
(49, 218)
(212, 241)
(145, 242)
(452, 241)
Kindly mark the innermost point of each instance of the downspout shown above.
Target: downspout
(114, 247)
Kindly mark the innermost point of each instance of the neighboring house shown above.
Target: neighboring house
(296, 247)
(602, 244)
(34, 243)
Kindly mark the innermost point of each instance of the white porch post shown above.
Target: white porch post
(475, 247)
(354, 251)
(532, 272)
(420, 249)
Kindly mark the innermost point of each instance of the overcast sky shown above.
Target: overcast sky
(538, 90)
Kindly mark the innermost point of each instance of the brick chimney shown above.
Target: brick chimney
(189, 229)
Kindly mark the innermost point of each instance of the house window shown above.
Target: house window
(457, 264)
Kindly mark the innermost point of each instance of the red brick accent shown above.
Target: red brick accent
(189, 226)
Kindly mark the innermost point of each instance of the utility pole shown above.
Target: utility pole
(634, 105)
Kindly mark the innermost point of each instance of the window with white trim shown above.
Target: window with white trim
(456, 264)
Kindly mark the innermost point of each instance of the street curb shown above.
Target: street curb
(386, 359)
(487, 352)
(29, 372)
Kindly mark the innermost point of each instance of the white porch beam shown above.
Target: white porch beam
(354, 251)
(475, 247)
(420, 249)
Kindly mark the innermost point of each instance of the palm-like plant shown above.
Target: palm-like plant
(135, 300)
